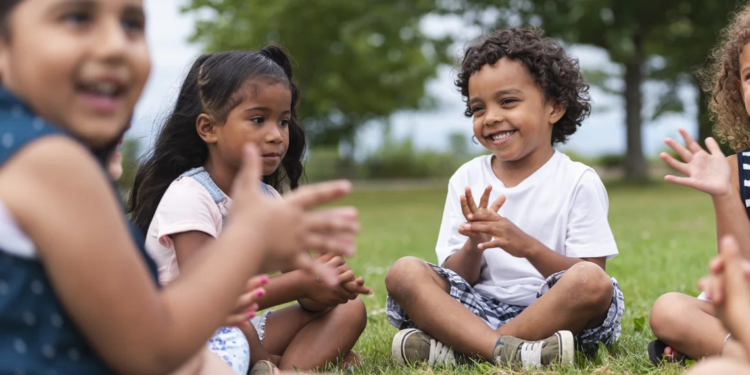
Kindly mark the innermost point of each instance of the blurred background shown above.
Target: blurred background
(377, 76)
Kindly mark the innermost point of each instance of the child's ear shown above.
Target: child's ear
(557, 112)
(205, 125)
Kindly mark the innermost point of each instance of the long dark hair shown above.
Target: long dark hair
(214, 86)
(6, 6)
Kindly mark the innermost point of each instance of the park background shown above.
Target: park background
(379, 106)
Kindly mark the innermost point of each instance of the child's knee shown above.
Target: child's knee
(666, 313)
(591, 284)
(353, 314)
(402, 273)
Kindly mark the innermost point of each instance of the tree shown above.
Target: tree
(636, 33)
(358, 61)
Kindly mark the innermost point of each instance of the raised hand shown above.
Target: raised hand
(288, 227)
(707, 171)
(491, 229)
(471, 211)
(247, 305)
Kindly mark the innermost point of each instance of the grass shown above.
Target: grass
(665, 234)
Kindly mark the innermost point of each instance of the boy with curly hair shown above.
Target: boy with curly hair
(522, 272)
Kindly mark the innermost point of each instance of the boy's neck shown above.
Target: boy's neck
(222, 175)
(513, 172)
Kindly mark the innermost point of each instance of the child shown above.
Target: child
(727, 287)
(78, 295)
(527, 263)
(685, 325)
(179, 200)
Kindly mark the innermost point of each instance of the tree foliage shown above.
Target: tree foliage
(357, 60)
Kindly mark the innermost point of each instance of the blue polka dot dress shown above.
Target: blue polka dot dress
(36, 335)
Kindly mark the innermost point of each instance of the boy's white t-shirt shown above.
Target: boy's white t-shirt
(563, 205)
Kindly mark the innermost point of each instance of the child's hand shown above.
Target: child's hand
(497, 230)
(708, 172)
(247, 305)
(727, 286)
(347, 286)
(289, 227)
(471, 211)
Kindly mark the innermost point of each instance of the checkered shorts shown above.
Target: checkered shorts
(497, 313)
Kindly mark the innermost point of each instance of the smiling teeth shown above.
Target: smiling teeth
(104, 88)
(503, 135)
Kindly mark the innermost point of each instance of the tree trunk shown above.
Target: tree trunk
(346, 148)
(635, 163)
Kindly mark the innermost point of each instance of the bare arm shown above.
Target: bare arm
(712, 173)
(84, 243)
(467, 262)
(731, 216)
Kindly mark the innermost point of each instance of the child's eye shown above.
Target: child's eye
(284, 123)
(508, 101)
(476, 109)
(257, 120)
(77, 19)
(133, 24)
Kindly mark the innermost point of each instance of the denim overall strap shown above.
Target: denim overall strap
(199, 174)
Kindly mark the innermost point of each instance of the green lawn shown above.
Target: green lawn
(665, 235)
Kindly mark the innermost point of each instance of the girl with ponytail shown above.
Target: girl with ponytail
(180, 202)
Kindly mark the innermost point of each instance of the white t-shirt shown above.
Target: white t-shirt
(563, 205)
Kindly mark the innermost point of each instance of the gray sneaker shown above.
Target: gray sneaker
(557, 349)
(412, 345)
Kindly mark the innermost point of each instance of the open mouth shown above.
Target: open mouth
(103, 96)
(500, 136)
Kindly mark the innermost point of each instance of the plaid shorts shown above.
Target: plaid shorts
(497, 313)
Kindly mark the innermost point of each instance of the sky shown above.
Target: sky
(602, 133)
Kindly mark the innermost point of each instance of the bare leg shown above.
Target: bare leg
(308, 341)
(257, 351)
(719, 366)
(424, 295)
(688, 325)
(580, 300)
(204, 363)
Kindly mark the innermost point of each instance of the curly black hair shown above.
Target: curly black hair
(556, 73)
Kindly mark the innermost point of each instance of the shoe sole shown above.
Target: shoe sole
(567, 347)
(397, 348)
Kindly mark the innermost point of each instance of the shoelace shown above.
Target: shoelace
(440, 354)
(531, 354)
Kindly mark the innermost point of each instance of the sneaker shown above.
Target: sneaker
(264, 368)
(412, 345)
(557, 349)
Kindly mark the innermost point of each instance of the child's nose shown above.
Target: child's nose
(111, 42)
(493, 117)
(274, 135)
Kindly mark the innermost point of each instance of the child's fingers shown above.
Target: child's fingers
(684, 153)
(325, 274)
(465, 207)
(250, 171)
(498, 203)
(324, 243)
(310, 196)
(484, 201)
(479, 227)
(745, 265)
(713, 146)
(489, 245)
(346, 277)
(674, 163)
(357, 288)
(485, 215)
(249, 298)
(716, 265)
(690, 143)
(470, 200)
(684, 181)
(332, 221)
(257, 282)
